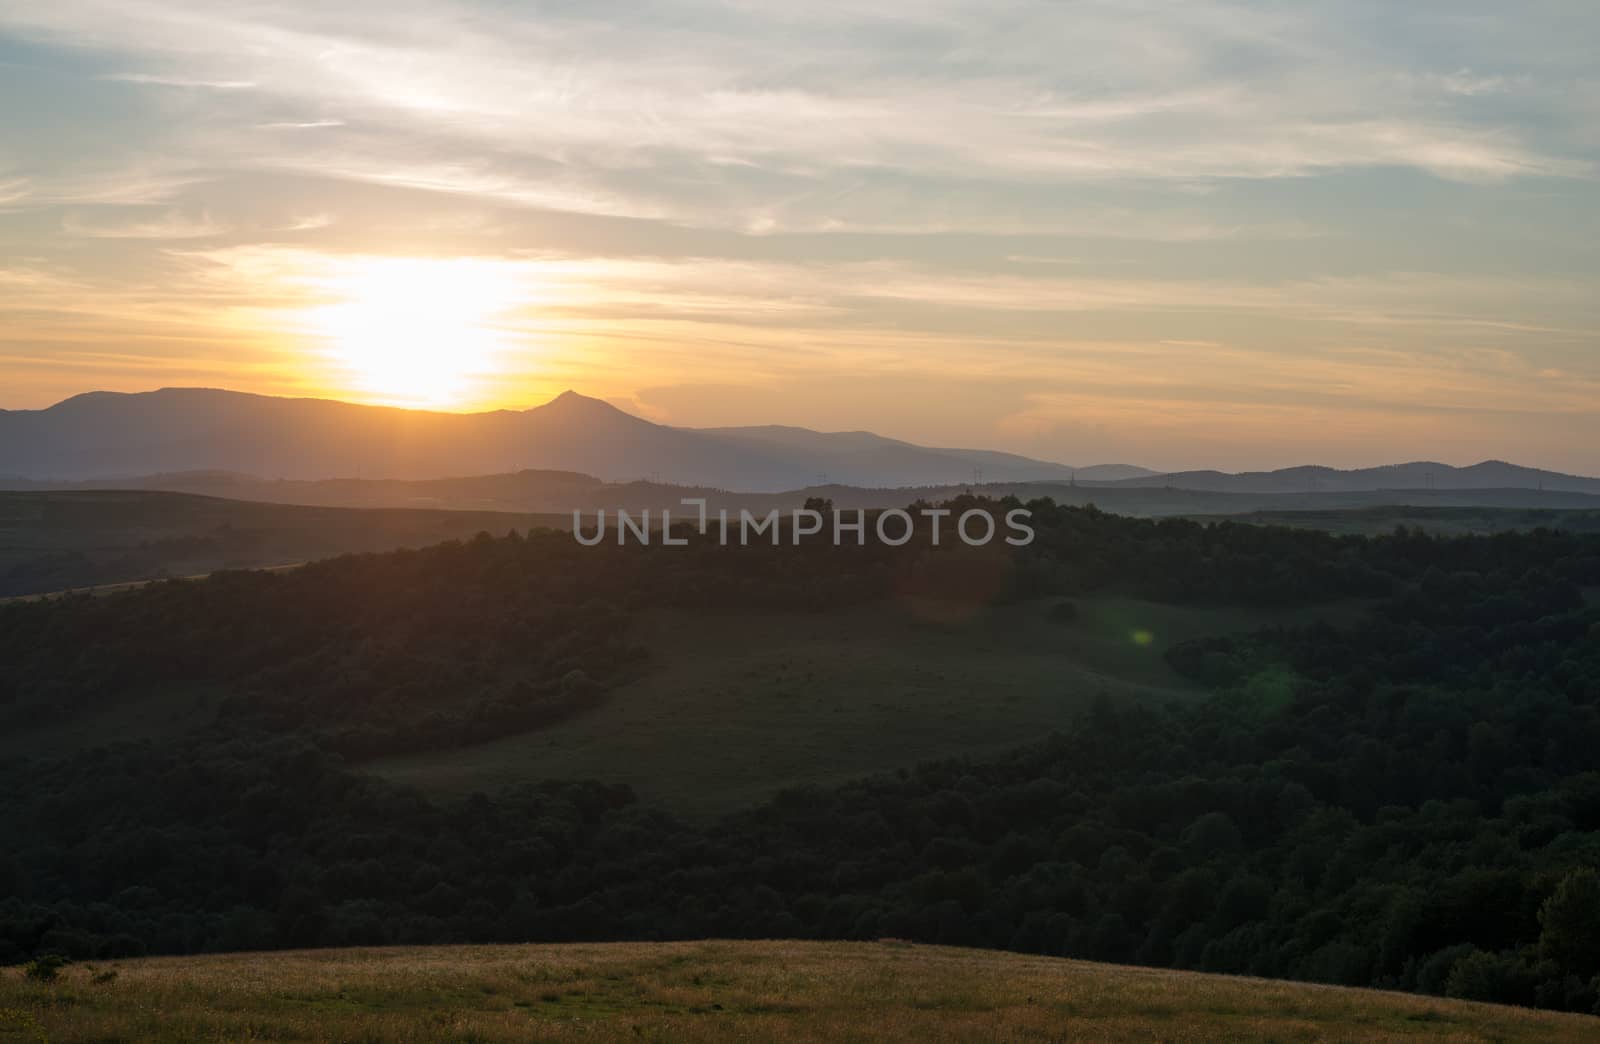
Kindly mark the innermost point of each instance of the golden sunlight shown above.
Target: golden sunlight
(415, 331)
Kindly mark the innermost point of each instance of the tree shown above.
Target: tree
(1570, 923)
(1211, 834)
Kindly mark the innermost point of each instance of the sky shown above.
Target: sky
(1195, 233)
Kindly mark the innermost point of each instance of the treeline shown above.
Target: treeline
(1406, 803)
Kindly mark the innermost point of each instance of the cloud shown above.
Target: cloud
(1203, 89)
(13, 190)
(1465, 82)
(177, 81)
(300, 125)
(99, 186)
(308, 223)
(31, 276)
(169, 225)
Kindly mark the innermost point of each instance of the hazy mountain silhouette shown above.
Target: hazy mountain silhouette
(108, 435)
(1420, 475)
(105, 434)
(923, 464)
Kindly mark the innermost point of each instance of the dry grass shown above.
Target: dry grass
(733, 991)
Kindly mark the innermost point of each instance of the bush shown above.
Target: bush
(1498, 978)
(1434, 972)
(46, 968)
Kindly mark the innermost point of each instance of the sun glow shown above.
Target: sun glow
(410, 331)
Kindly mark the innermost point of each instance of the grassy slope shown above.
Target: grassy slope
(718, 991)
(736, 707)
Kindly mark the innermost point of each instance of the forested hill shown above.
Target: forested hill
(381, 653)
(1407, 802)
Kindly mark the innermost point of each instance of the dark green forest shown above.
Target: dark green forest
(1411, 801)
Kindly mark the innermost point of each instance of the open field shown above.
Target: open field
(57, 541)
(788, 991)
(734, 707)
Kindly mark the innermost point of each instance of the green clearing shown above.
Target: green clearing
(716, 991)
(734, 707)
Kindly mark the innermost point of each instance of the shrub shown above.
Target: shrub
(46, 968)
(1498, 978)
(1435, 970)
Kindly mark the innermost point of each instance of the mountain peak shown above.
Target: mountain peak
(570, 401)
(572, 398)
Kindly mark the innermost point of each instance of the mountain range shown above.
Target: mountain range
(193, 438)
(103, 435)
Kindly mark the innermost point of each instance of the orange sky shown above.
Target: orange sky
(1237, 235)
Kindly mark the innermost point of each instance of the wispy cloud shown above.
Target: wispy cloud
(169, 225)
(1194, 90)
(178, 81)
(13, 190)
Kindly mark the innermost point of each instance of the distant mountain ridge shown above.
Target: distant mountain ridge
(1419, 475)
(103, 435)
(100, 437)
(562, 492)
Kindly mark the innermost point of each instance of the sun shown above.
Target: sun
(415, 331)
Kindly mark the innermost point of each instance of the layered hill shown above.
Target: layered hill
(562, 492)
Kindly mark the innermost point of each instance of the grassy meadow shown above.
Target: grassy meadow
(716, 991)
(736, 706)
